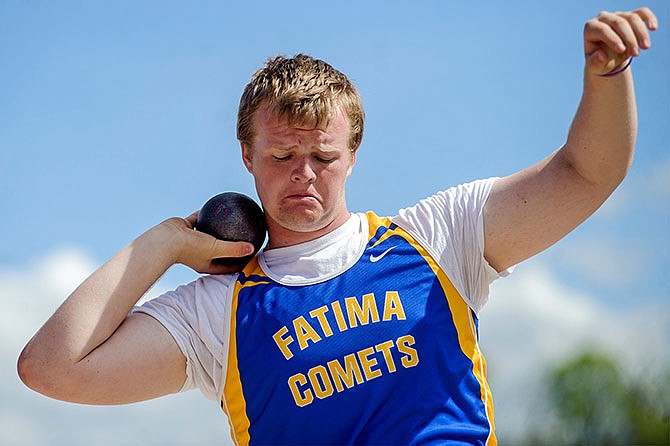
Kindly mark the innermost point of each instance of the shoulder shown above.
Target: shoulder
(448, 206)
(214, 284)
(205, 296)
(467, 195)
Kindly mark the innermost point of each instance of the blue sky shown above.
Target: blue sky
(117, 115)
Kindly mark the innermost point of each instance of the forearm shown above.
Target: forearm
(601, 140)
(92, 313)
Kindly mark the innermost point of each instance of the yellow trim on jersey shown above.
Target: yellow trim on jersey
(462, 316)
(233, 403)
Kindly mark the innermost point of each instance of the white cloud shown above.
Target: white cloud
(533, 322)
(620, 202)
(641, 188)
(31, 295)
(605, 261)
(659, 180)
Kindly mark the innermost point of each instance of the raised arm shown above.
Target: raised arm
(91, 351)
(530, 210)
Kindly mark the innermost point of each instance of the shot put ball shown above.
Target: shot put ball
(233, 217)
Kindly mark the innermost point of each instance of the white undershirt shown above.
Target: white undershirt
(317, 260)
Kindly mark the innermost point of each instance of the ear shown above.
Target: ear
(352, 162)
(246, 157)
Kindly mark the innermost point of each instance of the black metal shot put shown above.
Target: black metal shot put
(233, 217)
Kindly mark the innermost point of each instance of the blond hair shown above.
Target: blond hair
(302, 90)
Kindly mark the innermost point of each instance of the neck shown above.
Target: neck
(280, 237)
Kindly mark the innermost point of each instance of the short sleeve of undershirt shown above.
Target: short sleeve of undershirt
(197, 316)
(450, 225)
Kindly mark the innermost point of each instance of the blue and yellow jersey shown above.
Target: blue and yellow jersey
(385, 353)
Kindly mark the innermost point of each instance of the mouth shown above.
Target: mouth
(301, 197)
(304, 198)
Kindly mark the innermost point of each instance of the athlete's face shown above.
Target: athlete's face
(300, 174)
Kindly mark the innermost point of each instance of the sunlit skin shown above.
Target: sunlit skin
(300, 174)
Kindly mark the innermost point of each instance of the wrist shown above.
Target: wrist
(162, 241)
(623, 66)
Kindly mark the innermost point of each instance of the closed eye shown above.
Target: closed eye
(324, 160)
(319, 158)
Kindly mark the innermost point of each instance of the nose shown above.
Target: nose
(303, 172)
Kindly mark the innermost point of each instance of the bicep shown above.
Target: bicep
(140, 361)
(532, 209)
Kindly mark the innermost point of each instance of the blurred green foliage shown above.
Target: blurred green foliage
(593, 402)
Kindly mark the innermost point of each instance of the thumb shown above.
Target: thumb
(604, 60)
(222, 248)
(224, 255)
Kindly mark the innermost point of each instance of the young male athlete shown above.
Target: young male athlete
(347, 328)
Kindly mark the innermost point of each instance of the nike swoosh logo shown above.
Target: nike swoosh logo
(374, 258)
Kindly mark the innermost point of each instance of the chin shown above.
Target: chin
(306, 226)
(304, 222)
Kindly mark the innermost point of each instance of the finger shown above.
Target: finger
(639, 26)
(619, 23)
(597, 33)
(648, 16)
(193, 218)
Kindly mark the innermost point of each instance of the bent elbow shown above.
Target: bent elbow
(54, 379)
(33, 372)
(29, 371)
